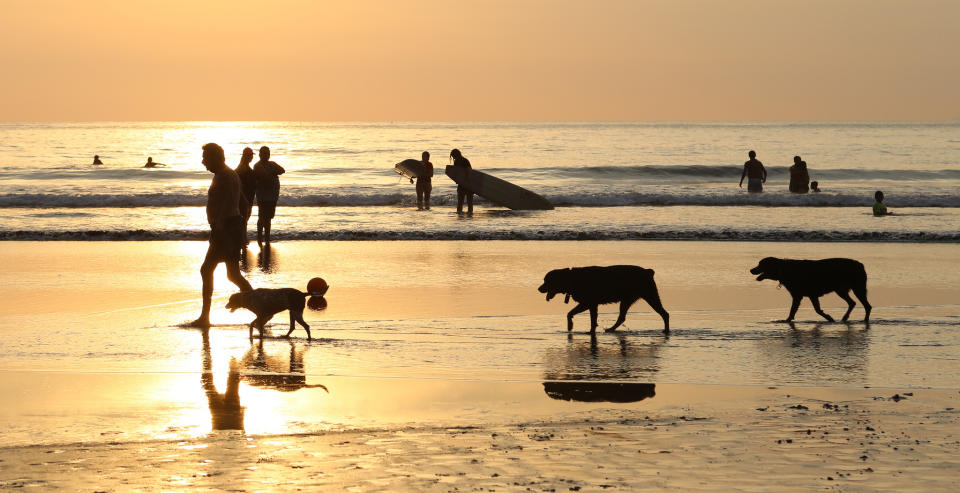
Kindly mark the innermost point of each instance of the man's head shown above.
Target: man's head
(213, 158)
(425, 156)
(752, 154)
(455, 154)
(878, 196)
(796, 159)
(264, 153)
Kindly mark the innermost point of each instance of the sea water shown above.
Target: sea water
(607, 180)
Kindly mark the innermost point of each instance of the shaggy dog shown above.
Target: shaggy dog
(265, 303)
(815, 278)
(593, 286)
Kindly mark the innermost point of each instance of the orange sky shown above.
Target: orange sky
(479, 60)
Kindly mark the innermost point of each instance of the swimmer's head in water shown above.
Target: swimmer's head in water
(752, 154)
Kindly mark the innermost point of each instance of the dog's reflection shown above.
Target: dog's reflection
(226, 413)
(261, 369)
(599, 391)
(831, 352)
(619, 358)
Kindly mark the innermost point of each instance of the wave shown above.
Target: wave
(560, 197)
(517, 235)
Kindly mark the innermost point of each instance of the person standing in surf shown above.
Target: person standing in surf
(425, 183)
(799, 176)
(248, 185)
(755, 172)
(224, 202)
(267, 174)
(462, 192)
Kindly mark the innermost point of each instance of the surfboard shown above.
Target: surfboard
(410, 168)
(498, 191)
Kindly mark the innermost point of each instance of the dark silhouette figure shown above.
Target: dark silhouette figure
(226, 413)
(265, 303)
(593, 286)
(272, 372)
(267, 259)
(815, 278)
(463, 192)
(151, 164)
(755, 172)
(248, 185)
(799, 176)
(879, 209)
(425, 183)
(96, 160)
(267, 174)
(815, 187)
(224, 205)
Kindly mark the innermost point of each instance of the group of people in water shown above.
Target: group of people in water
(424, 182)
(756, 175)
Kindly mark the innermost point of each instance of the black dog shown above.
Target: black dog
(815, 278)
(266, 303)
(592, 286)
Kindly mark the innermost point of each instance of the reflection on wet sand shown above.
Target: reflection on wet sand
(599, 391)
(832, 355)
(226, 413)
(618, 357)
(267, 260)
(274, 372)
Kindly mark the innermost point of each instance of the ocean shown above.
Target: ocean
(608, 181)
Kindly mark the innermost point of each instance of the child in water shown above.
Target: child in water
(814, 187)
(879, 209)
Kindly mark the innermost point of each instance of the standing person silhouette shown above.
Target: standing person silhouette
(96, 160)
(224, 202)
(799, 176)
(755, 172)
(462, 192)
(267, 174)
(248, 185)
(425, 183)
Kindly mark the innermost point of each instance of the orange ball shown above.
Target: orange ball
(317, 286)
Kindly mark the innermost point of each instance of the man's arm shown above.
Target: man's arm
(743, 175)
(278, 169)
(764, 170)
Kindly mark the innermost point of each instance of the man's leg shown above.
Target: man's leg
(206, 275)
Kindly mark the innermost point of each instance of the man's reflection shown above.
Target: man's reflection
(267, 260)
(226, 413)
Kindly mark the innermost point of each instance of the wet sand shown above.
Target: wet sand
(437, 378)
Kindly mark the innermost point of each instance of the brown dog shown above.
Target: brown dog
(265, 303)
(593, 286)
(815, 278)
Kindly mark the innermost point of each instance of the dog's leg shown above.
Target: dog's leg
(624, 307)
(845, 295)
(303, 323)
(793, 308)
(293, 319)
(593, 319)
(654, 302)
(816, 307)
(861, 293)
(577, 309)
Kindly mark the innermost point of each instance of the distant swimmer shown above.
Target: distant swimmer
(267, 174)
(879, 209)
(462, 192)
(224, 202)
(96, 160)
(151, 164)
(755, 172)
(799, 176)
(814, 187)
(425, 183)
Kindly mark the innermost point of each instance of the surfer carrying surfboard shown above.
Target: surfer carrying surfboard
(425, 183)
(462, 191)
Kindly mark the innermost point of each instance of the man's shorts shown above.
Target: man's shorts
(266, 210)
(755, 185)
(226, 241)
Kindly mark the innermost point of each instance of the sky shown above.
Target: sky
(479, 60)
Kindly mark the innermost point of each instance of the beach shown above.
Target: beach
(425, 375)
